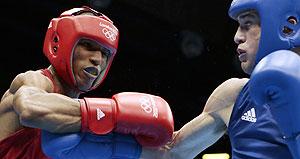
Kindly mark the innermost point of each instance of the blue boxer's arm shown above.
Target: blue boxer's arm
(90, 146)
(275, 83)
(55, 145)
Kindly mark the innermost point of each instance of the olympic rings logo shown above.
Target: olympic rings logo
(149, 106)
(146, 104)
(109, 34)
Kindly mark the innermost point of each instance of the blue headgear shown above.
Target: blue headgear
(276, 31)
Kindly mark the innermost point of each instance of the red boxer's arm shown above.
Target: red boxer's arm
(147, 117)
(30, 97)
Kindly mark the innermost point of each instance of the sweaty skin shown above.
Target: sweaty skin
(30, 100)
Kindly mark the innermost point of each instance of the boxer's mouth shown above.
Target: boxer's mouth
(240, 51)
(92, 71)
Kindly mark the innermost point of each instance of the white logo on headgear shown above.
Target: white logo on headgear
(109, 34)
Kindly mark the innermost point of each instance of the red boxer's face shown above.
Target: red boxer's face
(88, 62)
(247, 37)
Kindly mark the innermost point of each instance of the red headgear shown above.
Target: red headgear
(65, 31)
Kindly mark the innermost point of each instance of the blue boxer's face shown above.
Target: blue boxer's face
(247, 37)
(88, 62)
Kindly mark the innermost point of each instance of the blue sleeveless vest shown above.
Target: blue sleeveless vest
(253, 132)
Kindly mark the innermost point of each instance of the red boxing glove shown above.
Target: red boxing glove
(146, 116)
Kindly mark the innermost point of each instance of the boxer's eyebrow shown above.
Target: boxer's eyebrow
(94, 46)
(249, 16)
(89, 44)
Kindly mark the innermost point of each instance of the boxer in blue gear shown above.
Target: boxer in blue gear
(275, 79)
(260, 115)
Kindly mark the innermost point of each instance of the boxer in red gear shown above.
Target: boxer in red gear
(80, 51)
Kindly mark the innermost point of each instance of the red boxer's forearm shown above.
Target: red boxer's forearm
(49, 111)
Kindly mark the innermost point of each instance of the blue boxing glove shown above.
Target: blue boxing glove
(90, 146)
(275, 82)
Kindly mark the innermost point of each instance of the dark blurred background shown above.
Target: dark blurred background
(180, 50)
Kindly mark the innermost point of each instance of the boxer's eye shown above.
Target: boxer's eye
(246, 25)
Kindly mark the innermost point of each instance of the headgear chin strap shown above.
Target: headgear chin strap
(277, 30)
(64, 33)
